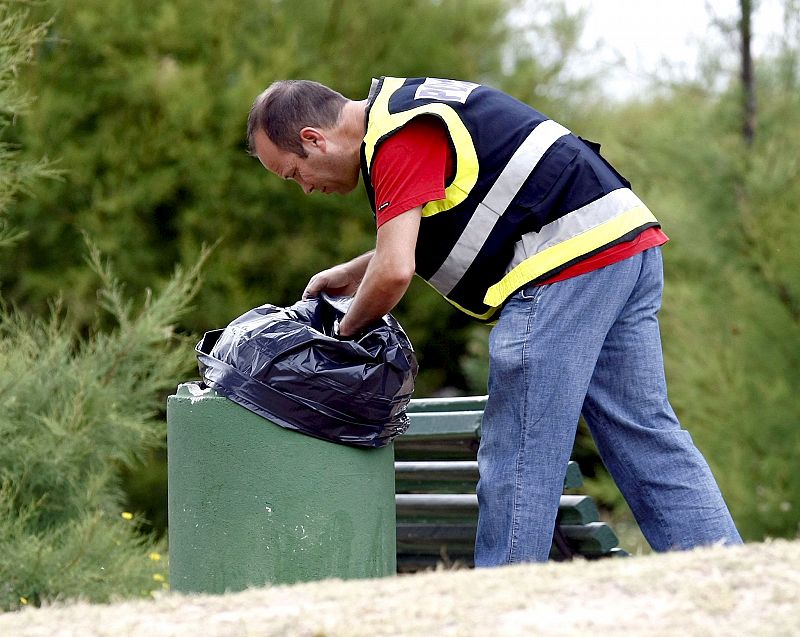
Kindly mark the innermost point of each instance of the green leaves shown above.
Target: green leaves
(17, 42)
(145, 106)
(72, 412)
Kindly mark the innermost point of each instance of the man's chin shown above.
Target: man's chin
(343, 190)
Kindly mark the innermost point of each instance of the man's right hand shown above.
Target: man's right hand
(340, 280)
(336, 281)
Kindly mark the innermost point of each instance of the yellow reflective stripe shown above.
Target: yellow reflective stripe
(564, 252)
(482, 317)
(575, 223)
(378, 112)
(382, 122)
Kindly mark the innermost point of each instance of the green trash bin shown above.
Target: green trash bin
(252, 503)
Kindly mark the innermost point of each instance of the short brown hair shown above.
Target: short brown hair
(288, 106)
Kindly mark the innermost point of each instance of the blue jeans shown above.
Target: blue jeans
(588, 345)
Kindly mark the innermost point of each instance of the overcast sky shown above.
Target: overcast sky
(649, 33)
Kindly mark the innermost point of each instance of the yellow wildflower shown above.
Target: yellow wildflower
(155, 556)
(127, 515)
(158, 577)
(23, 601)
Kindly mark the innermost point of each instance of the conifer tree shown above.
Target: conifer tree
(74, 409)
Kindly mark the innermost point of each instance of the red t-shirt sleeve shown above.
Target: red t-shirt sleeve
(410, 168)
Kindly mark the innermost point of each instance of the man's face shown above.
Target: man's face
(323, 170)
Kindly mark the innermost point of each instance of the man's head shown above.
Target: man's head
(298, 130)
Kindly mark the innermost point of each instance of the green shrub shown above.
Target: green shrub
(145, 106)
(73, 411)
(76, 406)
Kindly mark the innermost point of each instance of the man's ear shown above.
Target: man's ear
(312, 138)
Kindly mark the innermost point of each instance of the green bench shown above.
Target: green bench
(436, 472)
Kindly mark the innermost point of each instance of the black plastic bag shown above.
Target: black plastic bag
(285, 365)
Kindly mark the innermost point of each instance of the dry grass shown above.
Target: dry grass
(751, 590)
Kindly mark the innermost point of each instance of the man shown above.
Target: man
(514, 220)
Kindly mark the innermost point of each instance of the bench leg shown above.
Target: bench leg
(562, 546)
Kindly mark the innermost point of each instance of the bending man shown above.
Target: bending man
(515, 221)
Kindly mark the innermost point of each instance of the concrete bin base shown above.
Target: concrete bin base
(252, 503)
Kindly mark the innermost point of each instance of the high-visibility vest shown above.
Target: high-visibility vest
(528, 198)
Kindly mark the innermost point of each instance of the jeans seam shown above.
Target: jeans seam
(534, 300)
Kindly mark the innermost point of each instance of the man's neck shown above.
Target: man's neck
(352, 126)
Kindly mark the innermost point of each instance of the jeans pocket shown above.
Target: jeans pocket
(530, 292)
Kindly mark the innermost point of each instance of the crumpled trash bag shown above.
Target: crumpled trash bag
(285, 365)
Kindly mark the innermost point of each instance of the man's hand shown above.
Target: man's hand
(340, 280)
(336, 281)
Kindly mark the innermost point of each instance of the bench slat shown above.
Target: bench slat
(450, 505)
(456, 403)
(421, 535)
(420, 473)
(574, 477)
(592, 539)
(437, 471)
(443, 425)
(572, 509)
(577, 509)
(446, 449)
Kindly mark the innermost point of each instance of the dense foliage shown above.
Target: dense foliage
(144, 104)
(73, 409)
(18, 40)
(72, 412)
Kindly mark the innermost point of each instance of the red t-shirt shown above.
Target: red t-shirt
(412, 166)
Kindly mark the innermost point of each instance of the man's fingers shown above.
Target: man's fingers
(314, 287)
(336, 281)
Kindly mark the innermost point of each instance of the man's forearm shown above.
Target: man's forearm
(381, 289)
(388, 273)
(358, 266)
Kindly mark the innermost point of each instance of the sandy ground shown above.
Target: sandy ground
(751, 590)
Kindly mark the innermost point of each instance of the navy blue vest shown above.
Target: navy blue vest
(527, 200)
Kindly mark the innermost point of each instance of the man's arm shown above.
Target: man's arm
(388, 273)
(340, 280)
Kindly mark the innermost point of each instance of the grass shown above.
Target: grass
(749, 590)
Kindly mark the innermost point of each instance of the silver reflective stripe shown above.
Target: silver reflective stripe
(501, 194)
(373, 89)
(575, 223)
